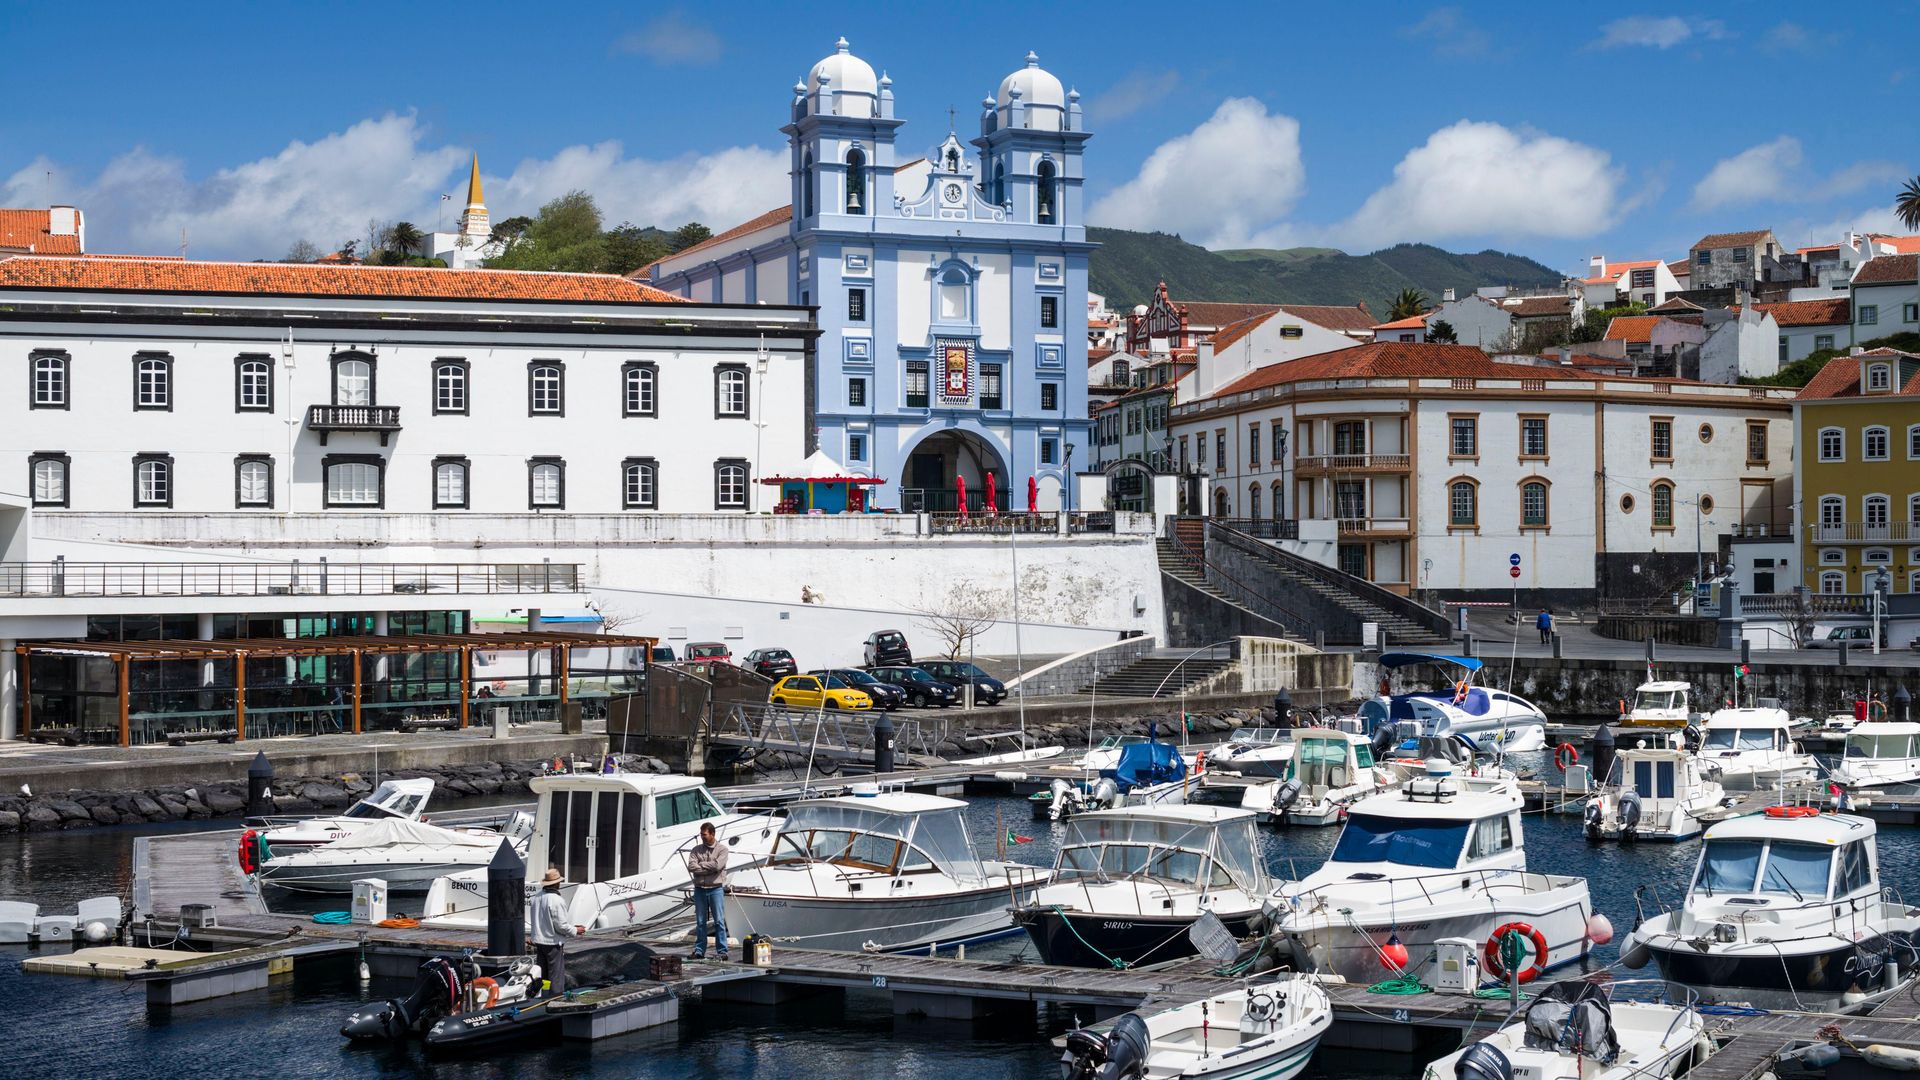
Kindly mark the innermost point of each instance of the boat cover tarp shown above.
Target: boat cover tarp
(1408, 659)
(1145, 764)
(390, 832)
(1572, 1017)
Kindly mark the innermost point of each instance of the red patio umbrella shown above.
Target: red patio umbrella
(1033, 495)
(960, 485)
(993, 506)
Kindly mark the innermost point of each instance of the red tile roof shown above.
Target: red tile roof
(1632, 327)
(1680, 268)
(771, 218)
(1407, 323)
(1840, 378)
(1535, 307)
(1887, 270)
(1391, 359)
(1227, 335)
(1732, 239)
(1903, 245)
(1208, 314)
(1833, 311)
(312, 279)
(29, 230)
(1677, 304)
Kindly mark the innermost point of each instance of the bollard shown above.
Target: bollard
(1600, 750)
(1902, 704)
(1746, 651)
(1556, 644)
(1282, 708)
(506, 903)
(1843, 654)
(1649, 645)
(260, 786)
(883, 744)
(1466, 644)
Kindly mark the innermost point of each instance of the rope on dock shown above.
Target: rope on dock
(333, 918)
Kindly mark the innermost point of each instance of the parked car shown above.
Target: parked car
(817, 692)
(921, 688)
(709, 652)
(886, 647)
(661, 654)
(773, 663)
(1856, 637)
(885, 695)
(987, 690)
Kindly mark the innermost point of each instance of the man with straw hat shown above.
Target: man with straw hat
(552, 925)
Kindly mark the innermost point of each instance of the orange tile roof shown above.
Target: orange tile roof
(1817, 247)
(1887, 270)
(29, 230)
(1833, 311)
(1233, 332)
(312, 279)
(1840, 378)
(770, 218)
(1612, 271)
(1390, 359)
(1407, 323)
(1749, 238)
(1902, 245)
(1680, 269)
(1632, 327)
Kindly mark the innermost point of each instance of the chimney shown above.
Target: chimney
(1597, 266)
(63, 221)
(1446, 296)
(1856, 350)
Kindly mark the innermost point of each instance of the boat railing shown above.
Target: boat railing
(1489, 877)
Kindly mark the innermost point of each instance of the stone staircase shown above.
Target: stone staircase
(1226, 617)
(1161, 674)
(1284, 572)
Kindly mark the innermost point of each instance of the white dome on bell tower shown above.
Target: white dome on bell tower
(1036, 88)
(844, 80)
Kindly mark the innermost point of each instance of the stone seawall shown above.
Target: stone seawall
(1593, 689)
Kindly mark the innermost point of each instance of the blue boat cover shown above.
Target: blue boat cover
(1408, 659)
(1145, 764)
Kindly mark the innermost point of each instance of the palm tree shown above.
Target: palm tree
(1406, 304)
(1906, 205)
(405, 237)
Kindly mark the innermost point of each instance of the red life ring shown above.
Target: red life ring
(1492, 952)
(249, 852)
(1460, 691)
(1792, 811)
(1565, 755)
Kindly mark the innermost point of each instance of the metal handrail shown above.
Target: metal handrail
(1198, 560)
(63, 578)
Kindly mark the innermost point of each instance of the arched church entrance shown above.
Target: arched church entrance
(1130, 486)
(936, 465)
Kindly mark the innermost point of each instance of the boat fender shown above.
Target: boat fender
(249, 852)
(1483, 1061)
(1566, 754)
(1897, 1058)
(1634, 952)
(1288, 793)
(1813, 1056)
(1495, 963)
(1629, 811)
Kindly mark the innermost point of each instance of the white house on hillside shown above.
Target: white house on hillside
(1740, 343)
(1648, 281)
(1885, 298)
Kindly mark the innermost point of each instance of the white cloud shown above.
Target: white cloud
(1131, 94)
(326, 190)
(1873, 219)
(1774, 172)
(1658, 31)
(672, 39)
(1217, 184)
(1449, 33)
(1481, 179)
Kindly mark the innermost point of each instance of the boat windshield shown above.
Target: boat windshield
(837, 832)
(1322, 763)
(1740, 739)
(398, 806)
(1870, 745)
(1659, 699)
(1218, 855)
(1780, 867)
(1370, 838)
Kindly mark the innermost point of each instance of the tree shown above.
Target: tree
(564, 236)
(1906, 206)
(347, 250)
(405, 236)
(1406, 304)
(690, 234)
(1441, 332)
(509, 232)
(1594, 327)
(302, 251)
(630, 247)
(960, 617)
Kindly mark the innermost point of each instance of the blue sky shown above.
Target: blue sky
(1544, 129)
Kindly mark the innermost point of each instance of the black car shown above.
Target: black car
(773, 663)
(886, 647)
(987, 690)
(922, 689)
(885, 695)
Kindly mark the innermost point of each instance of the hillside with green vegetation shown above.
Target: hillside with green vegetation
(1129, 265)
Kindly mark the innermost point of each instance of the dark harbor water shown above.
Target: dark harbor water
(67, 1027)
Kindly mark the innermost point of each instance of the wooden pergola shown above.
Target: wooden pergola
(124, 654)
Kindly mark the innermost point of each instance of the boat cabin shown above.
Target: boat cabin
(1203, 847)
(1660, 704)
(1883, 740)
(890, 834)
(1436, 822)
(601, 827)
(1748, 729)
(1761, 859)
(1325, 760)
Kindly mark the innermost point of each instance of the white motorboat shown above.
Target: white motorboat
(1656, 790)
(1144, 773)
(1881, 763)
(1129, 883)
(1661, 704)
(402, 800)
(408, 855)
(1262, 1031)
(1105, 756)
(1572, 1032)
(1440, 858)
(1752, 748)
(1491, 719)
(620, 841)
(1261, 751)
(888, 871)
(1330, 771)
(1785, 911)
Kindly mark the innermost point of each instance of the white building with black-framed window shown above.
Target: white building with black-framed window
(162, 385)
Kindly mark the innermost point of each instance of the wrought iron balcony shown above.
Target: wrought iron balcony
(327, 419)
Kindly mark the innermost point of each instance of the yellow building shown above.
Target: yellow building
(1857, 434)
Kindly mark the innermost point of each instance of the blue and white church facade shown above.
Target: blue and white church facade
(951, 288)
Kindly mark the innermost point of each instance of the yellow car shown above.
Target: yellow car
(806, 692)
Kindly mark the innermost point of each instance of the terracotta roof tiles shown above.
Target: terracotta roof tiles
(309, 279)
(1205, 314)
(30, 230)
(769, 219)
(1408, 323)
(1887, 270)
(1715, 241)
(1391, 359)
(1834, 311)
(1535, 307)
(1840, 378)
(1227, 335)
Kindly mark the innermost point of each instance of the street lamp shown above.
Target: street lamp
(1281, 434)
(760, 421)
(1067, 478)
(1882, 585)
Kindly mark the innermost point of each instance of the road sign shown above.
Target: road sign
(1514, 560)
(1515, 572)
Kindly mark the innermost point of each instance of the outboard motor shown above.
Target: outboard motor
(1288, 793)
(1483, 1061)
(1121, 1054)
(1062, 800)
(1629, 813)
(1595, 818)
(1693, 736)
(1385, 737)
(1106, 795)
(436, 993)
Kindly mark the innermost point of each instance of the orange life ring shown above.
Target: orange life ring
(1492, 952)
(1876, 709)
(1566, 755)
(1460, 691)
(1792, 811)
(492, 988)
(1200, 762)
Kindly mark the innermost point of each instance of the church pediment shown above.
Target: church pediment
(950, 194)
